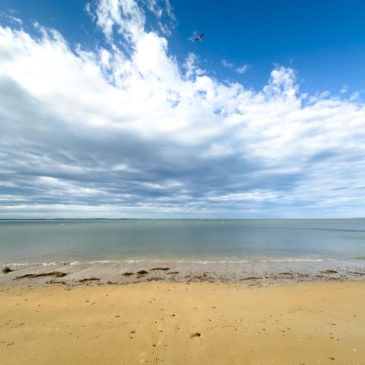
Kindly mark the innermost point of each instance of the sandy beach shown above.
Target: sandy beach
(184, 323)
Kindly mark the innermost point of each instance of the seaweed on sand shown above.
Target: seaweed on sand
(88, 279)
(56, 274)
(141, 273)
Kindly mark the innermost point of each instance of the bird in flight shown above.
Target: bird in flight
(200, 37)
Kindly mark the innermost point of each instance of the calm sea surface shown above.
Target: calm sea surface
(30, 241)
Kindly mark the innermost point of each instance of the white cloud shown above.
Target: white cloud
(344, 89)
(15, 19)
(227, 64)
(125, 15)
(242, 69)
(355, 96)
(170, 10)
(111, 128)
(154, 8)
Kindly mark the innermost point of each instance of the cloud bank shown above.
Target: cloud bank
(126, 130)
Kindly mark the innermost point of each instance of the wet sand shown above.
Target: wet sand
(250, 271)
(184, 323)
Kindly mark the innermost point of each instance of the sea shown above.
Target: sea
(69, 241)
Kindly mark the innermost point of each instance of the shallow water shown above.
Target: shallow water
(30, 241)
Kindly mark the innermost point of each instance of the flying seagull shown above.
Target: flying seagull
(200, 37)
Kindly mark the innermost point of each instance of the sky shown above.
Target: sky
(109, 108)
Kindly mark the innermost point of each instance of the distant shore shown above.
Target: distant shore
(134, 271)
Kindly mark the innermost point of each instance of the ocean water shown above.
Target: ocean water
(31, 241)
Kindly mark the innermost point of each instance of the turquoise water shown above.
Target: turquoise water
(30, 241)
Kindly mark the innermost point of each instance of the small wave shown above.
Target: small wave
(243, 261)
(290, 260)
(182, 261)
(15, 264)
(101, 262)
(132, 261)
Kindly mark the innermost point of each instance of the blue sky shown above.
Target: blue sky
(323, 40)
(109, 109)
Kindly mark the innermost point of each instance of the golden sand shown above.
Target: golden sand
(306, 323)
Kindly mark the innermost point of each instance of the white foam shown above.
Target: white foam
(132, 261)
(100, 262)
(224, 261)
(289, 260)
(16, 264)
(47, 264)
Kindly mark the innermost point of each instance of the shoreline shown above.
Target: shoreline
(264, 271)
